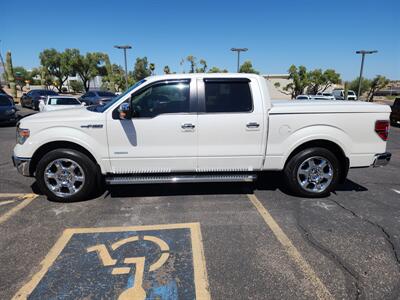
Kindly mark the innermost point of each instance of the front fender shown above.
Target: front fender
(93, 140)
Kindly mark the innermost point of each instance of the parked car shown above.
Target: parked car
(328, 96)
(200, 128)
(339, 94)
(97, 97)
(59, 102)
(32, 98)
(303, 97)
(395, 115)
(8, 111)
(314, 97)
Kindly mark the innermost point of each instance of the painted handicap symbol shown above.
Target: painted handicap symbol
(135, 262)
(137, 291)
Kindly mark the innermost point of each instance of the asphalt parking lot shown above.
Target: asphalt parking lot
(219, 241)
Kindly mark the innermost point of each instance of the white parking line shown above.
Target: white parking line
(396, 191)
(6, 202)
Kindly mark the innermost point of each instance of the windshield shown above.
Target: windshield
(50, 93)
(106, 94)
(351, 93)
(4, 101)
(63, 101)
(103, 108)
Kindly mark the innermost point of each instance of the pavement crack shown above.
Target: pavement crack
(387, 236)
(337, 260)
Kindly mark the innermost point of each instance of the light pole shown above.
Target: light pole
(238, 50)
(362, 52)
(125, 47)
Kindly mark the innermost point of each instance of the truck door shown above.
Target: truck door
(161, 137)
(231, 125)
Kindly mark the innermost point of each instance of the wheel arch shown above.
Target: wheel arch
(45, 148)
(329, 145)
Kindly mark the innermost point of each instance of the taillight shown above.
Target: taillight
(382, 129)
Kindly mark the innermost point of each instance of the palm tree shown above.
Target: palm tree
(152, 68)
(167, 70)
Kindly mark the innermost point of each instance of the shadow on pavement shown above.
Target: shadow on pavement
(269, 181)
(349, 186)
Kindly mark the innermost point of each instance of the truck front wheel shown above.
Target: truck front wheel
(312, 172)
(66, 175)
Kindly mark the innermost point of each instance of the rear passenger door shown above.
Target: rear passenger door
(231, 125)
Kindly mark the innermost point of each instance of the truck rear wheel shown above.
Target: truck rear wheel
(66, 175)
(313, 172)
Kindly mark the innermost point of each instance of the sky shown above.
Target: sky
(314, 33)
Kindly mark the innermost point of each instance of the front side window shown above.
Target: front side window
(162, 98)
(229, 97)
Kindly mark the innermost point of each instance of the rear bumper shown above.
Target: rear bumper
(22, 165)
(382, 159)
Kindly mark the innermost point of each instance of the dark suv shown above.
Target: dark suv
(395, 115)
(97, 97)
(32, 98)
(8, 111)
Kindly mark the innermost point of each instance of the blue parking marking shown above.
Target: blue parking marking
(148, 262)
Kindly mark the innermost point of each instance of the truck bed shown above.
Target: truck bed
(334, 106)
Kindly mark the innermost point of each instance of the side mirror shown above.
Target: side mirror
(83, 104)
(125, 111)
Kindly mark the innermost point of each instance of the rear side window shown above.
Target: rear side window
(229, 97)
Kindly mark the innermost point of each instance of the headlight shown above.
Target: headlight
(22, 135)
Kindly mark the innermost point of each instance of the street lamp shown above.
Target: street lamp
(125, 47)
(362, 52)
(238, 50)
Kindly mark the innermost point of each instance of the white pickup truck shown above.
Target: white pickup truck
(200, 128)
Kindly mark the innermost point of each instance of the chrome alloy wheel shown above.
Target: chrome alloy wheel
(64, 177)
(315, 174)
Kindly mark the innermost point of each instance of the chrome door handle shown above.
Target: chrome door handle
(252, 125)
(188, 126)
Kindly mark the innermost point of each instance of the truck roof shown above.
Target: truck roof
(202, 75)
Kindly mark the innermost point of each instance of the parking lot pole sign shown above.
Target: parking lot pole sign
(362, 52)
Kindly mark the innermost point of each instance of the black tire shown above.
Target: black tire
(292, 177)
(89, 168)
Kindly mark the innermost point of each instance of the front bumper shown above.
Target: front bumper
(22, 165)
(382, 159)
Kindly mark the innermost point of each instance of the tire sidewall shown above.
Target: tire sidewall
(88, 167)
(295, 162)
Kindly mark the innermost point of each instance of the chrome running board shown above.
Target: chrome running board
(168, 178)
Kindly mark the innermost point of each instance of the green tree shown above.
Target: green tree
(58, 65)
(109, 76)
(379, 82)
(141, 69)
(152, 67)
(203, 68)
(192, 60)
(319, 81)
(217, 70)
(76, 86)
(247, 67)
(365, 85)
(299, 78)
(21, 75)
(167, 70)
(86, 66)
(10, 74)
